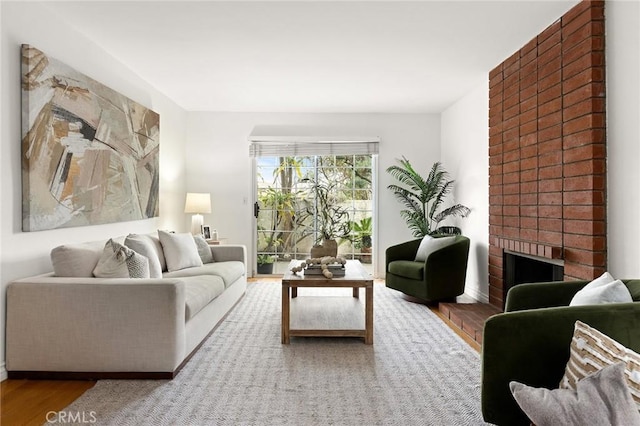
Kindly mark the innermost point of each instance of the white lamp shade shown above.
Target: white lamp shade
(198, 202)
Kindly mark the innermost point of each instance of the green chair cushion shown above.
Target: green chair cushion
(407, 269)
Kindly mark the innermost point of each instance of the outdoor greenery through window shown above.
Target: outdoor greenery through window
(306, 200)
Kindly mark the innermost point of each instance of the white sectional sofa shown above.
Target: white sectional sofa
(82, 327)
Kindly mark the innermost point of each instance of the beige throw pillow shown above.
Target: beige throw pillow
(76, 260)
(602, 398)
(180, 250)
(591, 351)
(118, 261)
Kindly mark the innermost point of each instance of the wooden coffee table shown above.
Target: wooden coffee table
(340, 317)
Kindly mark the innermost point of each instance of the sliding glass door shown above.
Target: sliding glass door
(301, 201)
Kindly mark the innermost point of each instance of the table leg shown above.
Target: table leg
(356, 292)
(294, 292)
(285, 315)
(368, 316)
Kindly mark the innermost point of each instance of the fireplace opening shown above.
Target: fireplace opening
(521, 268)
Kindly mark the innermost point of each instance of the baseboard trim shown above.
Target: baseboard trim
(477, 295)
(3, 372)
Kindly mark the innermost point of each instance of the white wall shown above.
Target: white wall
(465, 142)
(219, 163)
(623, 137)
(27, 253)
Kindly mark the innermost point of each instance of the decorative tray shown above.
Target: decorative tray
(336, 270)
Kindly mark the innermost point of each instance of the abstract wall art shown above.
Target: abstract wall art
(89, 154)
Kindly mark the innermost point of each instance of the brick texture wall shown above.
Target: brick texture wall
(547, 149)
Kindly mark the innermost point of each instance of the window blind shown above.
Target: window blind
(305, 146)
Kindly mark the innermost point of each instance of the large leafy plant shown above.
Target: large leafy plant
(361, 232)
(423, 199)
(331, 219)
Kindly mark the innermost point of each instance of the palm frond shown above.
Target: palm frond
(407, 175)
(412, 205)
(447, 230)
(455, 210)
(406, 197)
(415, 222)
(444, 190)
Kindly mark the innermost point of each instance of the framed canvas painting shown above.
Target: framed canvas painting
(90, 155)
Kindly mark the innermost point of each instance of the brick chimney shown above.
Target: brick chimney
(547, 150)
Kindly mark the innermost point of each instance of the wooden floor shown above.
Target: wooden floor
(31, 402)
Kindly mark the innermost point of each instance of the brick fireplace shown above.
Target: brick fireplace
(547, 150)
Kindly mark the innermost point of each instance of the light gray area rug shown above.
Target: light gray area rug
(418, 372)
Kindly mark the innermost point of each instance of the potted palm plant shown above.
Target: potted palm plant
(423, 199)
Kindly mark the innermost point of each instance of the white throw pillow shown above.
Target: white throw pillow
(180, 250)
(143, 245)
(603, 289)
(203, 249)
(118, 261)
(429, 244)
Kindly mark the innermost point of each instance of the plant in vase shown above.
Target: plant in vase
(265, 264)
(331, 221)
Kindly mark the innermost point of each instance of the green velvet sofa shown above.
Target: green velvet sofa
(441, 276)
(529, 342)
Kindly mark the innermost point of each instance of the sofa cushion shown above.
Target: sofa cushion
(76, 260)
(229, 271)
(199, 291)
(180, 250)
(407, 269)
(119, 261)
(144, 245)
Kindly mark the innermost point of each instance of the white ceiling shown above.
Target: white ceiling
(312, 56)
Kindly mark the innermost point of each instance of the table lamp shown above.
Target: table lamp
(197, 203)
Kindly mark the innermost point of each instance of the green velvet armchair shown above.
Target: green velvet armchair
(441, 276)
(529, 343)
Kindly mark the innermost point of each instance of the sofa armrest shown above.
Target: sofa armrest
(542, 295)
(403, 251)
(95, 325)
(532, 347)
(225, 253)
